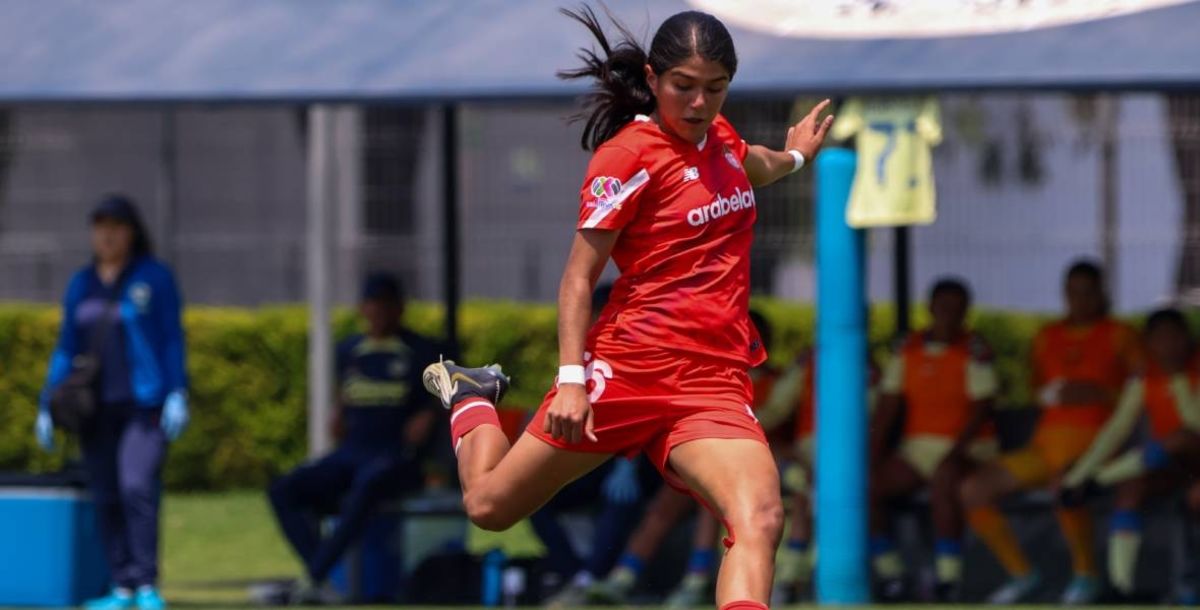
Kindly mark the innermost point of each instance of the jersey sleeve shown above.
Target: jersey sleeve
(1187, 402)
(982, 381)
(615, 185)
(893, 374)
(849, 120)
(929, 122)
(1115, 430)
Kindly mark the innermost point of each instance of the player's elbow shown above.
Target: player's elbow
(486, 513)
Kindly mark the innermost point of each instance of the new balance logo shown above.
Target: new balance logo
(691, 173)
(721, 206)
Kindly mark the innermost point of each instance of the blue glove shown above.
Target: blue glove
(621, 485)
(175, 414)
(43, 428)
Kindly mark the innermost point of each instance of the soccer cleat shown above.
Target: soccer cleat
(453, 384)
(692, 592)
(892, 591)
(571, 596)
(118, 599)
(1082, 591)
(613, 590)
(1015, 590)
(946, 592)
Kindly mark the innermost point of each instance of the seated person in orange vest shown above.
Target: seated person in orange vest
(1080, 364)
(1167, 393)
(942, 382)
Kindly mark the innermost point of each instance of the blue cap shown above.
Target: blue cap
(383, 287)
(115, 207)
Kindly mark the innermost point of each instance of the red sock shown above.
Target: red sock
(468, 415)
(745, 604)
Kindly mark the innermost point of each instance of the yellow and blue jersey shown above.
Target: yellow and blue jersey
(894, 182)
(379, 386)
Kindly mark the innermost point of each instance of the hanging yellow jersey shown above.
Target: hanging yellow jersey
(893, 184)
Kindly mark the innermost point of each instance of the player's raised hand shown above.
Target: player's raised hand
(569, 417)
(808, 135)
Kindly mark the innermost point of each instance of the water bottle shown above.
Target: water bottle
(514, 585)
(493, 575)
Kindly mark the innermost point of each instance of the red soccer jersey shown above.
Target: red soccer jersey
(686, 215)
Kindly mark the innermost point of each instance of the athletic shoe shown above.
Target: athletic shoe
(613, 590)
(1082, 591)
(293, 593)
(117, 599)
(946, 592)
(570, 596)
(692, 592)
(148, 598)
(1016, 590)
(453, 384)
(892, 591)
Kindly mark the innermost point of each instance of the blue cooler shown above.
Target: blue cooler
(51, 549)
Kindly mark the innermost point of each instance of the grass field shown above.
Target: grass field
(216, 545)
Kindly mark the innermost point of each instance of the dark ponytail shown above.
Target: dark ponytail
(621, 92)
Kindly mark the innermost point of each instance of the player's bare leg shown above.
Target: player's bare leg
(892, 477)
(501, 484)
(947, 511)
(980, 492)
(738, 479)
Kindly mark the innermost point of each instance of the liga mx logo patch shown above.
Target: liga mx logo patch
(605, 190)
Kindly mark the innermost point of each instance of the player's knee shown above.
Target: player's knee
(762, 522)
(946, 481)
(486, 513)
(975, 492)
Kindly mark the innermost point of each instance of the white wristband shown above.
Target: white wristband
(798, 158)
(571, 373)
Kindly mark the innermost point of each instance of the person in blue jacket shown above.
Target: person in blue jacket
(127, 302)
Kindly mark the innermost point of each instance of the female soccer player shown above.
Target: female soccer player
(669, 197)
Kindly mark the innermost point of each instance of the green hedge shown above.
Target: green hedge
(248, 376)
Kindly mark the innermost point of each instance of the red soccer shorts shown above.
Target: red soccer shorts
(654, 400)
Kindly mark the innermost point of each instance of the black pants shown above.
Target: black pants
(350, 482)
